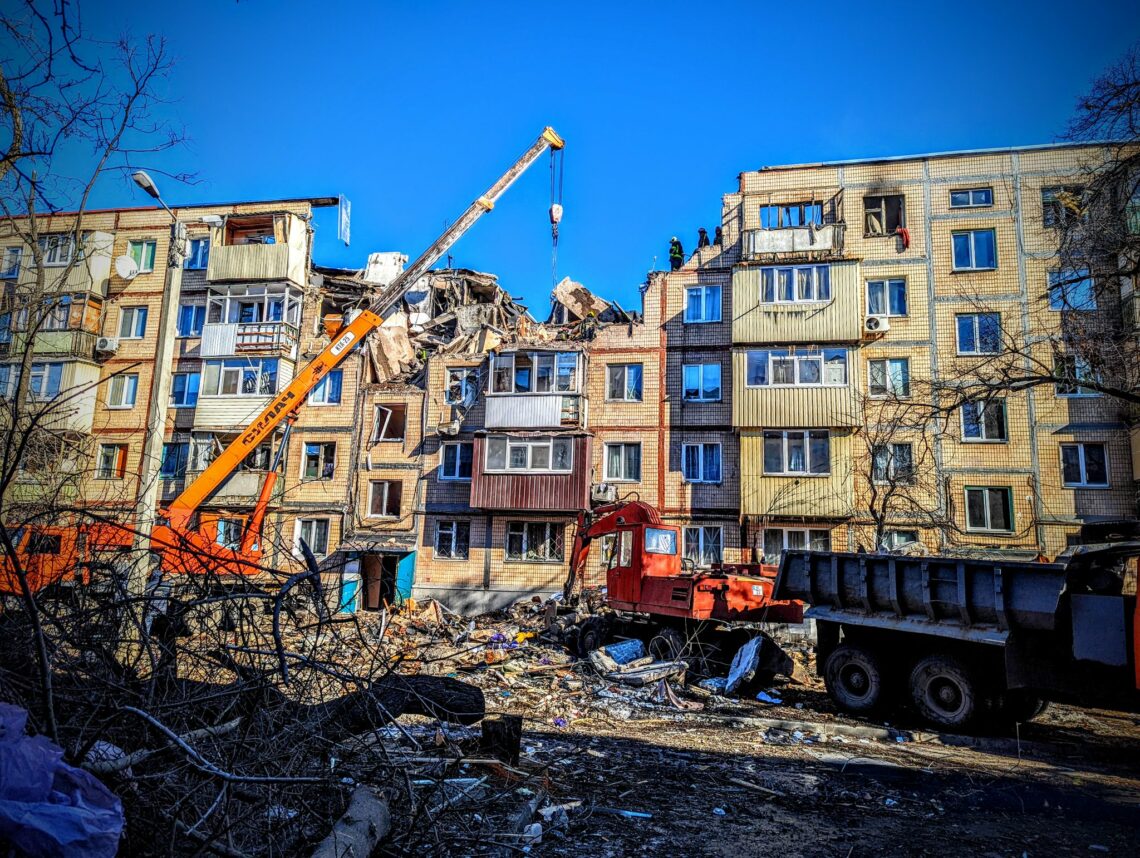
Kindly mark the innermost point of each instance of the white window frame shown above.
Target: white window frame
(443, 474)
(240, 366)
(1084, 484)
(529, 443)
(228, 533)
(807, 472)
(322, 461)
(886, 282)
(451, 525)
(891, 541)
(386, 486)
(975, 317)
(319, 395)
(770, 276)
(702, 538)
(700, 478)
(784, 531)
(123, 391)
(468, 380)
(552, 534)
(1080, 392)
(129, 321)
(892, 476)
(973, 266)
(624, 445)
(183, 457)
(983, 406)
(101, 471)
(194, 254)
(558, 363)
(787, 354)
(57, 249)
(706, 306)
(700, 368)
(143, 245)
(971, 204)
(313, 525)
(225, 307)
(10, 258)
(888, 378)
(986, 494)
(195, 330)
(1069, 275)
(40, 381)
(624, 369)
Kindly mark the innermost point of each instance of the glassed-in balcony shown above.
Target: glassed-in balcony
(535, 390)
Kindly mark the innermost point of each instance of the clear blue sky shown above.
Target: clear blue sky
(411, 109)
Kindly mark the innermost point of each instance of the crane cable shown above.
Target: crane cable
(556, 176)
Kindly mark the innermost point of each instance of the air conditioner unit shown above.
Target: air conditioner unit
(603, 493)
(450, 427)
(876, 324)
(107, 345)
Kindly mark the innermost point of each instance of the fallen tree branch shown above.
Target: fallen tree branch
(106, 767)
(364, 824)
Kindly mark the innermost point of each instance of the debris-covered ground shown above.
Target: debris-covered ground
(608, 769)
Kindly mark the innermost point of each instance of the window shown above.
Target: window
(327, 390)
(974, 250)
(971, 198)
(124, 391)
(452, 540)
(702, 304)
(10, 261)
(112, 464)
(508, 453)
(704, 546)
(889, 377)
(979, 333)
(142, 252)
(1132, 211)
(896, 539)
(198, 255)
(537, 541)
(566, 372)
(174, 458)
(797, 452)
(882, 215)
(245, 305)
(9, 375)
(315, 532)
(240, 377)
(461, 385)
(801, 367)
(659, 540)
(389, 422)
(132, 323)
(623, 462)
(1061, 204)
(184, 389)
(57, 250)
(1073, 369)
(191, 317)
(984, 421)
(537, 372)
(40, 543)
(892, 464)
(56, 313)
(44, 380)
(700, 463)
(989, 508)
(623, 382)
(1071, 290)
(803, 284)
(886, 297)
(702, 382)
(1084, 465)
(455, 463)
(790, 215)
(777, 540)
(384, 498)
(319, 460)
(229, 533)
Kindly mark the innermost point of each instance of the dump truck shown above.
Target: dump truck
(971, 641)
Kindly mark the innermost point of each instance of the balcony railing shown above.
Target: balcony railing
(76, 344)
(533, 410)
(240, 489)
(225, 339)
(827, 238)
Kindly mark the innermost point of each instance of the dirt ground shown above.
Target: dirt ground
(610, 772)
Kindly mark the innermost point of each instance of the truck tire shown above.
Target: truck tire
(591, 636)
(667, 645)
(1020, 706)
(946, 692)
(854, 679)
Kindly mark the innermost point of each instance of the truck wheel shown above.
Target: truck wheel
(854, 678)
(945, 692)
(1021, 706)
(591, 636)
(667, 645)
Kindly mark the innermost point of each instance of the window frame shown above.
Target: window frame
(454, 525)
(1008, 490)
(983, 405)
(319, 395)
(241, 366)
(143, 244)
(182, 457)
(890, 539)
(888, 383)
(704, 288)
(50, 246)
(468, 379)
(624, 368)
(977, 329)
(197, 319)
(624, 445)
(119, 466)
(973, 266)
(122, 382)
(380, 428)
(387, 486)
(1081, 464)
(702, 539)
(882, 208)
(549, 528)
(1079, 392)
(442, 473)
(891, 475)
(886, 284)
(1063, 305)
(133, 313)
(701, 479)
(195, 257)
(322, 461)
(555, 363)
(11, 259)
(971, 191)
(818, 284)
(44, 370)
(784, 531)
(808, 460)
(1053, 211)
(313, 523)
(529, 442)
(797, 355)
(701, 367)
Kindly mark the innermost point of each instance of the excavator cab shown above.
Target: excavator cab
(641, 550)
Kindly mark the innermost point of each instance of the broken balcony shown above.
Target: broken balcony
(252, 320)
(259, 247)
(804, 226)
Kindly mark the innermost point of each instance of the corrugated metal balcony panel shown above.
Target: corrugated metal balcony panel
(790, 407)
(831, 496)
(73, 343)
(249, 262)
(532, 410)
(91, 273)
(541, 492)
(837, 320)
(229, 413)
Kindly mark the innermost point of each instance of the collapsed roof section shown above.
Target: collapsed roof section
(454, 311)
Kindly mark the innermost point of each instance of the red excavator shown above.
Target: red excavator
(654, 594)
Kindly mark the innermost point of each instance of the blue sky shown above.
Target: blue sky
(412, 109)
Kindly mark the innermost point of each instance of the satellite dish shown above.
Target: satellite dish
(126, 267)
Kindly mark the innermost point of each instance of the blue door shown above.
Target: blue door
(405, 576)
(349, 591)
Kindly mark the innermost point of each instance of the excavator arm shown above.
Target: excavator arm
(591, 525)
(176, 537)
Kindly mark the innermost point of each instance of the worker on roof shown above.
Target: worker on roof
(702, 238)
(676, 254)
(718, 236)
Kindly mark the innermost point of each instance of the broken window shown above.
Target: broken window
(502, 373)
(44, 380)
(543, 373)
(229, 532)
(112, 463)
(198, 255)
(390, 422)
(788, 215)
(790, 367)
(623, 382)
(883, 214)
(259, 459)
(255, 230)
(384, 498)
(1073, 369)
(892, 463)
(453, 540)
(535, 541)
(57, 313)
(461, 385)
(10, 261)
(984, 421)
(567, 369)
(889, 377)
(318, 461)
(1062, 204)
